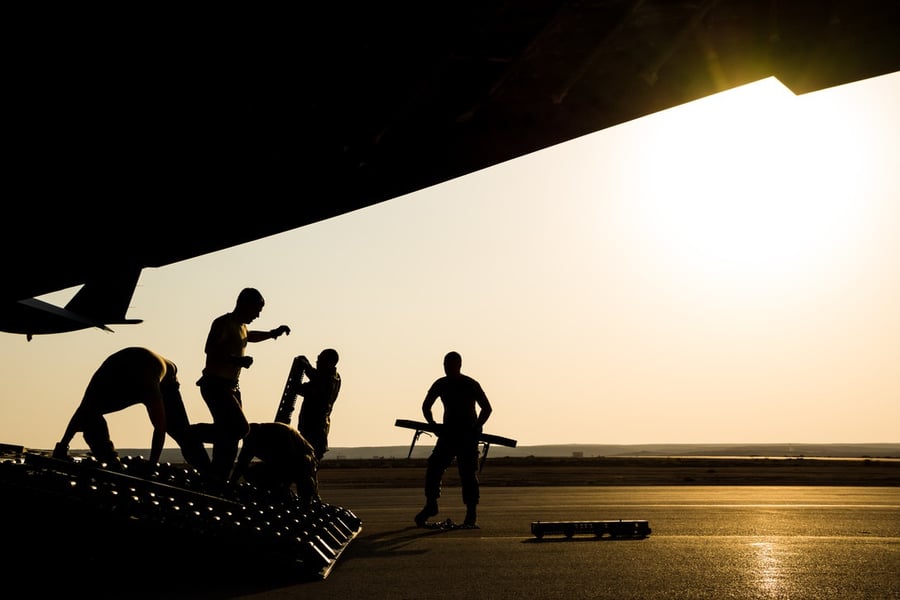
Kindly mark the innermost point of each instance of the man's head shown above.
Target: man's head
(452, 363)
(328, 358)
(249, 304)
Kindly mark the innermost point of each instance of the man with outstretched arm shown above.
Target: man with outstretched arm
(225, 349)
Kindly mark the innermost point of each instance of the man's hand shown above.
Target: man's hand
(245, 361)
(284, 329)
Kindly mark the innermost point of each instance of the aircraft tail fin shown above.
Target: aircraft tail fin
(106, 300)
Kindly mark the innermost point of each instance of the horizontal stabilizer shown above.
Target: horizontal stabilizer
(46, 318)
(100, 302)
(106, 300)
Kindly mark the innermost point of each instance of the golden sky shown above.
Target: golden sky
(727, 271)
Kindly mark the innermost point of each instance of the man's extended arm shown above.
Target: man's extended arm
(259, 336)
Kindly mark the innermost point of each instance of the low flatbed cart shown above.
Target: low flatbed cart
(620, 528)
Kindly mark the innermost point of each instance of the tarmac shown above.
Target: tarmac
(713, 542)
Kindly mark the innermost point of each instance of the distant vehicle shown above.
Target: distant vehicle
(99, 303)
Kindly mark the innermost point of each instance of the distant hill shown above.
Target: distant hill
(873, 450)
(598, 450)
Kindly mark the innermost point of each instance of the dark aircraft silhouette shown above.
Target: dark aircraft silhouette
(138, 137)
(97, 303)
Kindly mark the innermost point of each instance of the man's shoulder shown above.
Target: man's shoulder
(228, 322)
(470, 380)
(454, 383)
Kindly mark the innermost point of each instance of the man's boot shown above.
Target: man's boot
(471, 516)
(61, 451)
(431, 509)
(114, 463)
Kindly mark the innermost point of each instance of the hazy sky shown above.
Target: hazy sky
(727, 271)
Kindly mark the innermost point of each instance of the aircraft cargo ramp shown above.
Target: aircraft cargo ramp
(76, 510)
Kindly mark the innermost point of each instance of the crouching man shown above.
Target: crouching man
(286, 461)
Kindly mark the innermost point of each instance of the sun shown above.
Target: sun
(754, 185)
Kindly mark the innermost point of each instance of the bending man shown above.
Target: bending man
(128, 377)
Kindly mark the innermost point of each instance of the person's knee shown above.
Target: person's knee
(238, 427)
(231, 432)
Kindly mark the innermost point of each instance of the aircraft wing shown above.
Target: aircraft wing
(100, 302)
(138, 137)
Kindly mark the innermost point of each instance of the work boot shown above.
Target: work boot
(470, 516)
(61, 451)
(431, 509)
(113, 463)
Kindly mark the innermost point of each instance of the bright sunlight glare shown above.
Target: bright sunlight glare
(758, 194)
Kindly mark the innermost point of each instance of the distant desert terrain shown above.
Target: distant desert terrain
(536, 471)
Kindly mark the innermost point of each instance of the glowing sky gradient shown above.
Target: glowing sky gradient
(727, 271)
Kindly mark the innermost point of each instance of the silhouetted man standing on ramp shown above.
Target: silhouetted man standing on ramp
(225, 351)
(319, 395)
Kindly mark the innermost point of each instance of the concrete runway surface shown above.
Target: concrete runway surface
(742, 542)
(706, 542)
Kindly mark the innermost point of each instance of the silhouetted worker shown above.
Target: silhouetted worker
(285, 459)
(128, 377)
(225, 346)
(319, 395)
(457, 437)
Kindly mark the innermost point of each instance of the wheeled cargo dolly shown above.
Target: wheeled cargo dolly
(621, 528)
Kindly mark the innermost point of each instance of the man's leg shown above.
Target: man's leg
(187, 438)
(467, 463)
(230, 426)
(440, 458)
(96, 434)
(307, 479)
(314, 434)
